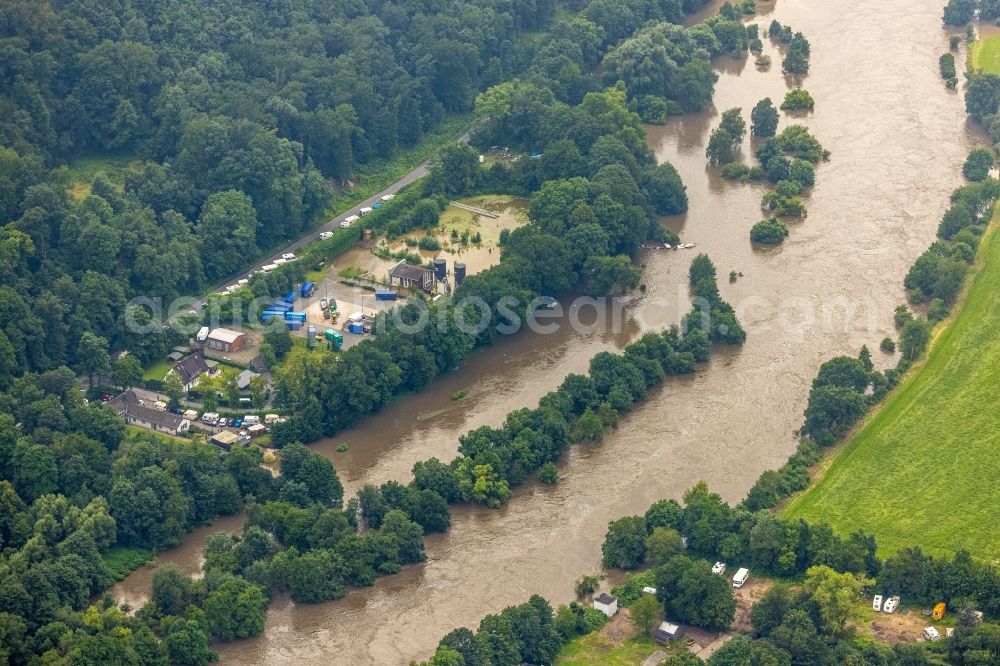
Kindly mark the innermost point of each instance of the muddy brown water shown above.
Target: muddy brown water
(898, 139)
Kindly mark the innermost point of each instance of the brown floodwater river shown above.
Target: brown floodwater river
(898, 139)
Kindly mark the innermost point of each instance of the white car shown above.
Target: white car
(345, 224)
(719, 568)
(388, 197)
(289, 256)
(323, 235)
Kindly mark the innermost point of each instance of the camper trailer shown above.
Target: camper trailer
(741, 577)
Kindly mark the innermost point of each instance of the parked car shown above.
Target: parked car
(323, 304)
(237, 422)
(289, 256)
(388, 197)
(323, 235)
(223, 422)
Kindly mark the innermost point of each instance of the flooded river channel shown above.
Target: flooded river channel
(898, 139)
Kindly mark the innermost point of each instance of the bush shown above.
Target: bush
(783, 206)
(947, 65)
(548, 473)
(653, 109)
(796, 140)
(768, 232)
(888, 345)
(429, 242)
(937, 310)
(735, 171)
(587, 585)
(797, 99)
(978, 164)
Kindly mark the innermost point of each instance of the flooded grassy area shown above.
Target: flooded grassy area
(455, 235)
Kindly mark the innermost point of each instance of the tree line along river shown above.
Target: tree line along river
(897, 138)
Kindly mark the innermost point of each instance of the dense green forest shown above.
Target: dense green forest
(242, 116)
(235, 123)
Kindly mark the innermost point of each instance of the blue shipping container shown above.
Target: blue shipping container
(386, 294)
(280, 306)
(356, 327)
(295, 316)
(268, 315)
(290, 297)
(307, 289)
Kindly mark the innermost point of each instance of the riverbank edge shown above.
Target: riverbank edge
(795, 505)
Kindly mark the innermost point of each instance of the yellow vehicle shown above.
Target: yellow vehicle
(938, 611)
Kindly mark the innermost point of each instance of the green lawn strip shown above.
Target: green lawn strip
(984, 54)
(596, 648)
(157, 371)
(922, 469)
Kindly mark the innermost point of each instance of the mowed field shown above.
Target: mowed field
(925, 468)
(984, 54)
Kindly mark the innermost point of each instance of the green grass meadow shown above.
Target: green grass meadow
(596, 649)
(924, 468)
(984, 54)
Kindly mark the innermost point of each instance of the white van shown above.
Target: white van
(267, 268)
(364, 211)
(741, 577)
(931, 634)
(323, 235)
(211, 418)
(388, 197)
(719, 568)
(251, 419)
(270, 418)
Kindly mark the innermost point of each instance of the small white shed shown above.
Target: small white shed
(606, 603)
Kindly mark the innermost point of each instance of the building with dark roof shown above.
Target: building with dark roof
(411, 277)
(190, 369)
(131, 408)
(606, 603)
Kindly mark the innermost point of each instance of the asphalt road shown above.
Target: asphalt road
(334, 223)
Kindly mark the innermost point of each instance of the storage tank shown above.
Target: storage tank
(440, 270)
(459, 273)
